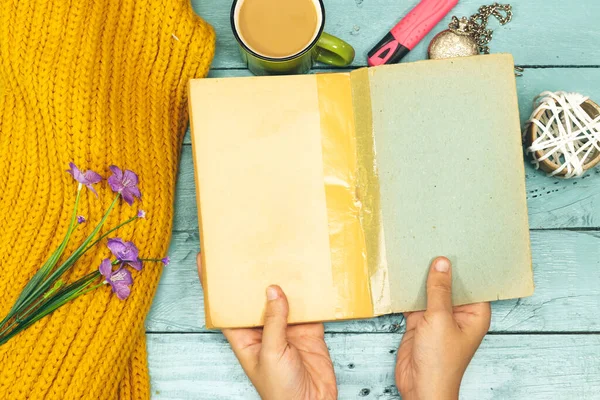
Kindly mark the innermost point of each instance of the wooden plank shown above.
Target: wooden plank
(202, 366)
(567, 296)
(553, 203)
(551, 32)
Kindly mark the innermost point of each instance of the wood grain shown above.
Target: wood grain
(566, 299)
(202, 366)
(550, 32)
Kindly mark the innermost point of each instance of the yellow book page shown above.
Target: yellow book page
(369, 193)
(274, 209)
(344, 201)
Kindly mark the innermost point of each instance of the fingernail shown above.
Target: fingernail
(272, 293)
(442, 264)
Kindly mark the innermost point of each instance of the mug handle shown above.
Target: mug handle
(334, 51)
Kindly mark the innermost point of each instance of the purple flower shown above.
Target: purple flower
(87, 178)
(126, 252)
(119, 280)
(124, 183)
(166, 261)
(141, 214)
(80, 219)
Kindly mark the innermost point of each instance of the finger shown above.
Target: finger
(199, 266)
(412, 319)
(406, 315)
(439, 286)
(245, 344)
(483, 313)
(313, 330)
(305, 337)
(242, 339)
(475, 309)
(474, 318)
(276, 313)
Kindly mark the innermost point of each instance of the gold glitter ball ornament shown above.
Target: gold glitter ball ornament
(456, 42)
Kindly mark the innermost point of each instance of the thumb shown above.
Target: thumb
(439, 286)
(274, 338)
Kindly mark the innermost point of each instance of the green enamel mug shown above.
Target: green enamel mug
(323, 48)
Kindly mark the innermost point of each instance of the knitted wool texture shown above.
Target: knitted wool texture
(96, 83)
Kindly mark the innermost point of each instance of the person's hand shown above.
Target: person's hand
(439, 342)
(284, 362)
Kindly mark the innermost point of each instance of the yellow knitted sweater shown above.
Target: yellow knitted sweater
(96, 82)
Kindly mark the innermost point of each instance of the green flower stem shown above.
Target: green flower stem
(95, 242)
(45, 269)
(93, 288)
(58, 285)
(71, 260)
(22, 314)
(151, 259)
(13, 323)
(52, 303)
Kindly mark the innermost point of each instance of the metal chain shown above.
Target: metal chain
(477, 23)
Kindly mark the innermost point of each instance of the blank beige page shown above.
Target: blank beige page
(452, 179)
(261, 225)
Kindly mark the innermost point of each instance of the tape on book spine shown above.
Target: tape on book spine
(369, 193)
(352, 194)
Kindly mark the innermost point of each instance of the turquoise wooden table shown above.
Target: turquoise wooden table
(541, 347)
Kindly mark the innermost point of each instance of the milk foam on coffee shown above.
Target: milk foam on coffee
(278, 28)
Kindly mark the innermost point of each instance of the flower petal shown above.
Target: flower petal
(115, 181)
(117, 247)
(127, 196)
(121, 276)
(122, 291)
(89, 186)
(116, 171)
(76, 173)
(115, 185)
(130, 178)
(71, 170)
(92, 177)
(137, 265)
(166, 261)
(135, 191)
(132, 253)
(106, 268)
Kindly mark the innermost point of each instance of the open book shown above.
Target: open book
(343, 187)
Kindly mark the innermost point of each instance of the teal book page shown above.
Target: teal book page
(452, 181)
